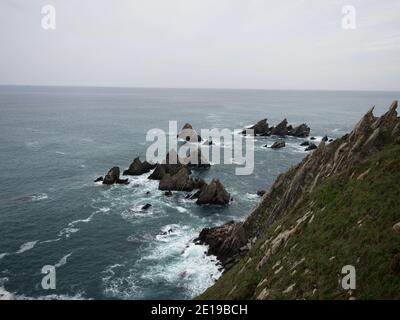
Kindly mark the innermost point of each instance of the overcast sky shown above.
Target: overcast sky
(279, 44)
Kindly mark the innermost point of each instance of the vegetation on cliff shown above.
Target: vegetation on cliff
(339, 206)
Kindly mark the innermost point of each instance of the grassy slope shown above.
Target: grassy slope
(352, 224)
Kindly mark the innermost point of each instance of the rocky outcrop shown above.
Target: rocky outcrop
(281, 129)
(189, 134)
(213, 194)
(171, 165)
(112, 177)
(262, 128)
(200, 162)
(181, 181)
(301, 131)
(311, 146)
(214, 238)
(278, 144)
(370, 135)
(99, 179)
(146, 207)
(138, 168)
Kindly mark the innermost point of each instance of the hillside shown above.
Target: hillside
(337, 207)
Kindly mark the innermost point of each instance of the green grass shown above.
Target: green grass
(352, 222)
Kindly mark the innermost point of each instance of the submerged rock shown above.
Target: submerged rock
(278, 144)
(122, 181)
(260, 193)
(312, 146)
(305, 143)
(146, 206)
(213, 193)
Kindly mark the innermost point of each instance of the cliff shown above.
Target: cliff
(338, 207)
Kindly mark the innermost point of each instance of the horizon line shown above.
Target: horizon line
(189, 88)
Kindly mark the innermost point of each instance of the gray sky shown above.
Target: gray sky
(279, 44)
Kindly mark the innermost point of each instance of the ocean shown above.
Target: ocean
(54, 141)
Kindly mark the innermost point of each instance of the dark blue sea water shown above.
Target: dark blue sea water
(55, 141)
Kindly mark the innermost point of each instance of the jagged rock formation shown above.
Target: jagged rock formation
(181, 181)
(260, 246)
(138, 168)
(112, 177)
(189, 134)
(262, 128)
(171, 165)
(214, 194)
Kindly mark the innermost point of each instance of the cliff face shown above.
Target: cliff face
(328, 190)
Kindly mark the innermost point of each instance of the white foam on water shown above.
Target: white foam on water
(124, 287)
(110, 270)
(88, 219)
(67, 231)
(26, 246)
(63, 260)
(2, 255)
(251, 196)
(136, 212)
(181, 262)
(51, 240)
(181, 209)
(71, 228)
(39, 197)
(7, 295)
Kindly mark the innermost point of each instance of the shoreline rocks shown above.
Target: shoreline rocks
(311, 146)
(224, 242)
